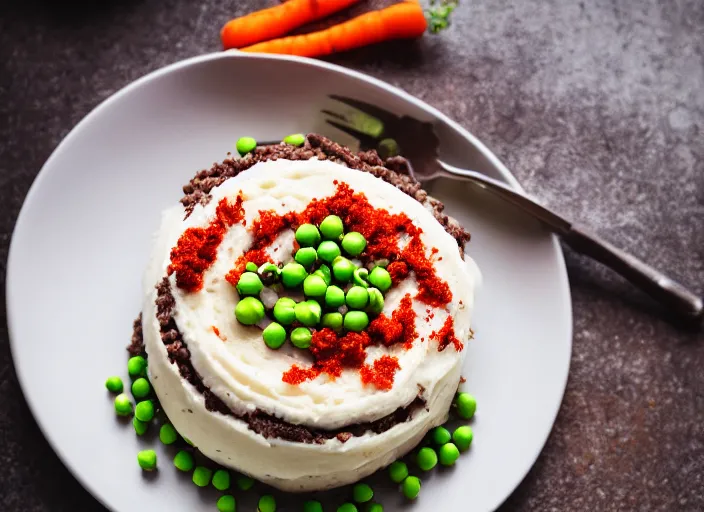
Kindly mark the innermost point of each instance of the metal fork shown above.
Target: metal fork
(376, 128)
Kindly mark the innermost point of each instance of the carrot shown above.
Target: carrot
(277, 21)
(400, 21)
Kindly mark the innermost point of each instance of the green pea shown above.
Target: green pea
(245, 145)
(376, 301)
(312, 506)
(343, 269)
(249, 311)
(334, 297)
(267, 503)
(356, 321)
(466, 405)
(184, 461)
(362, 493)
(307, 235)
(374, 507)
(144, 411)
(314, 286)
(251, 266)
(168, 434)
(137, 366)
(296, 139)
(441, 436)
(226, 503)
(123, 406)
(332, 227)
(354, 243)
(324, 272)
(448, 454)
(249, 284)
(274, 335)
(141, 388)
(308, 313)
(380, 278)
(221, 480)
(462, 436)
(328, 251)
(202, 476)
(347, 507)
(140, 427)
(398, 471)
(301, 337)
(388, 148)
(357, 297)
(244, 483)
(283, 310)
(114, 384)
(147, 460)
(411, 487)
(293, 274)
(359, 277)
(188, 441)
(332, 321)
(427, 459)
(306, 256)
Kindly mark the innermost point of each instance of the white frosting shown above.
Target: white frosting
(247, 375)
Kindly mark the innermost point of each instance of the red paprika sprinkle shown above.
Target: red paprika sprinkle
(382, 373)
(446, 335)
(431, 289)
(297, 375)
(400, 328)
(398, 271)
(332, 354)
(217, 333)
(267, 227)
(256, 256)
(196, 249)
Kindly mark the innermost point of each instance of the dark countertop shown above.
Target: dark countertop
(597, 107)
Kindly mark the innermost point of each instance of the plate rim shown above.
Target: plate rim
(506, 175)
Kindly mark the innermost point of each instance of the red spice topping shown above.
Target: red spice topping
(256, 256)
(398, 270)
(382, 373)
(267, 227)
(446, 335)
(196, 249)
(400, 328)
(297, 375)
(333, 353)
(431, 289)
(217, 333)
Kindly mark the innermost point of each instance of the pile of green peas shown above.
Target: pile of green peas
(339, 294)
(441, 447)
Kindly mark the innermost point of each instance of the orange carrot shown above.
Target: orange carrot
(277, 21)
(400, 21)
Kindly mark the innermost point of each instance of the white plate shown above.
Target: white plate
(81, 243)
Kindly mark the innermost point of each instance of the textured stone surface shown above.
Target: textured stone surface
(598, 107)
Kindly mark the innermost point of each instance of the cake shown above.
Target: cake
(351, 397)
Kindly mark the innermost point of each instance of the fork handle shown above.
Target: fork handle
(663, 289)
